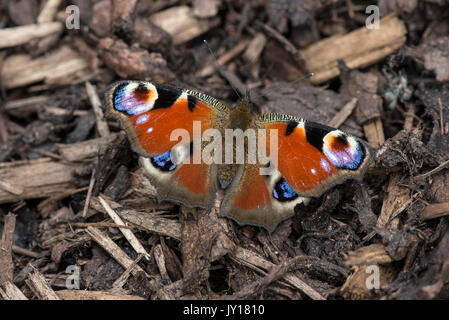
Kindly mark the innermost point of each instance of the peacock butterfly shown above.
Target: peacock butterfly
(290, 160)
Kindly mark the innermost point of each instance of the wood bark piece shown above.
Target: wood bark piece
(360, 260)
(57, 68)
(374, 132)
(11, 292)
(181, 23)
(359, 48)
(6, 244)
(39, 179)
(372, 254)
(255, 48)
(84, 150)
(435, 210)
(397, 196)
(15, 36)
(11, 188)
(160, 261)
(49, 10)
(150, 221)
(40, 287)
(94, 295)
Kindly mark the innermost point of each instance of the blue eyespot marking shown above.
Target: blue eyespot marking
(132, 101)
(347, 159)
(348, 156)
(283, 192)
(118, 98)
(163, 162)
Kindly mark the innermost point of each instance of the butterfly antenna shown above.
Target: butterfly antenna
(219, 67)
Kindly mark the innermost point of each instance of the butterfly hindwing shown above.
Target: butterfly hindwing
(250, 198)
(151, 113)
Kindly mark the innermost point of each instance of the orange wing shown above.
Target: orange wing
(311, 158)
(150, 113)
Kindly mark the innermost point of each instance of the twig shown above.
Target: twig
(441, 117)
(120, 282)
(225, 58)
(102, 126)
(113, 249)
(259, 264)
(433, 171)
(133, 241)
(343, 114)
(26, 252)
(89, 193)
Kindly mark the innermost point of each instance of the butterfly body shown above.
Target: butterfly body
(266, 164)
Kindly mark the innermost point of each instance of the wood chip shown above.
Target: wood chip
(89, 193)
(372, 254)
(118, 284)
(57, 68)
(26, 102)
(6, 243)
(435, 210)
(160, 261)
(94, 295)
(374, 133)
(255, 48)
(49, 10)
(181, 23)
(38, 179)
(14, 189)
(11, 292)
(395, 198)
(37, 283)
(84, 150)
(359, 48)
(15, 36)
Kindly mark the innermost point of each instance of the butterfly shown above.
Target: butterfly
(307, 158)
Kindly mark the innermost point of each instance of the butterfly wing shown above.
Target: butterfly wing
(151, 113)
(311, 158)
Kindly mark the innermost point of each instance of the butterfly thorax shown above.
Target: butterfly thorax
(241, 117)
